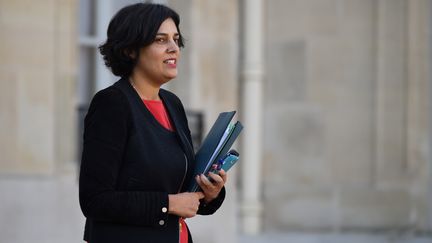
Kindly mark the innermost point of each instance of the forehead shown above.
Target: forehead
(168, 27)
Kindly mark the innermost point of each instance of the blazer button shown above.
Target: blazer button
(164, 210)
(161, 222)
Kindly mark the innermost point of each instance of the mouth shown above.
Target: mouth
(171, 61)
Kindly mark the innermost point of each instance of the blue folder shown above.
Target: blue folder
(216, 144)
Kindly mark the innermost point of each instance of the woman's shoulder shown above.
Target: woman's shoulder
(109, 101)
(108, 96)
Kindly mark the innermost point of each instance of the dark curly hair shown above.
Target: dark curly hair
(132, 28)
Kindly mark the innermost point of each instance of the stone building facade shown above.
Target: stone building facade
(347, 97)
(38, 75)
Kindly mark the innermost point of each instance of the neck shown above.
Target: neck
(145, 89)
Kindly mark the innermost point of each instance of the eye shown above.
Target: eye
(177, 41)
(160, 40)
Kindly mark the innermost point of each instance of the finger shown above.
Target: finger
(201, 184)
(223, 174)
(205, 188)
(198, 180)
(200, 195)
(218, 179)
(206, 181)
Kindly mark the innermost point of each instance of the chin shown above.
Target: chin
(171, 76)
(168, 78)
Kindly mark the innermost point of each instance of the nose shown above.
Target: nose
(172, 47)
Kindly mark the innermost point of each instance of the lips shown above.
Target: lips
(171, 61)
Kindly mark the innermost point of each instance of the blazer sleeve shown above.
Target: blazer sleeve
(105, 137)
(212, 206)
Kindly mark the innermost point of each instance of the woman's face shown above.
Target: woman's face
(158, 62)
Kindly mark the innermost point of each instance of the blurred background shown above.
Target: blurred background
(335, 97)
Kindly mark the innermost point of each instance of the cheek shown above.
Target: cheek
(151, 58)
(149, 63)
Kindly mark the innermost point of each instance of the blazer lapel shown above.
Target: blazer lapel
(173, 113)
(179, 130)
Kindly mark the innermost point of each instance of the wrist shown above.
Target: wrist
(171, 203)
(208, 199)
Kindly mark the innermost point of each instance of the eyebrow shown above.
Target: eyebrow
(165, 34)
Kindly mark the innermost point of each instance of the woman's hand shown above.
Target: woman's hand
(211, 190)
(184, 204)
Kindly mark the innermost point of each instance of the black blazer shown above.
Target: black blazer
(130, 163)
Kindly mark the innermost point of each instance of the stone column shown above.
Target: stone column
(391, 94)
(429, 90)
(418, 74)
(251, 112)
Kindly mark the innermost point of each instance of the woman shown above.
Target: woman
(137, 154)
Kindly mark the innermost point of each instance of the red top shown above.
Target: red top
(157, 108)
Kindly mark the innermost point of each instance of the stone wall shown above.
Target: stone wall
(346, 95)
(37, 86)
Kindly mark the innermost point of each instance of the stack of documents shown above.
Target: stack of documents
(218, 141)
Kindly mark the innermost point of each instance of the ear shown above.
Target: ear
(131, 53)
